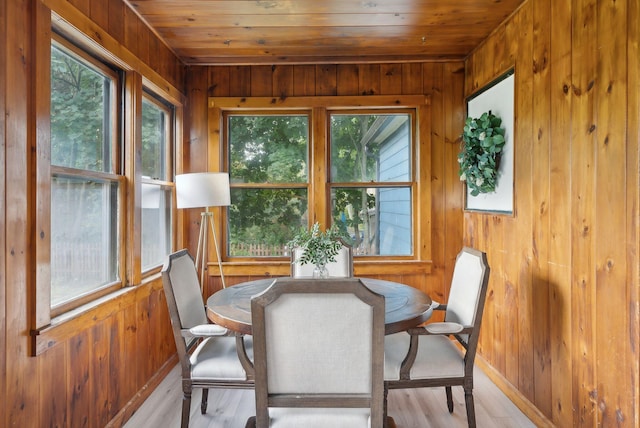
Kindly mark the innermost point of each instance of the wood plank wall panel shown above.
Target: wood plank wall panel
(326, 80)
(443, 81)
(20, 370)
(539, 196)
(432, 78)
(52, 376)
(559, 228)
(610, 232)
(304, 79)
(584, 75)
(116, 20)
(561, 325)
(3, 224)
(389, 83)
(454, 117)
(195, 146)
(633, 192)
(88, 379)
(524, 164)
(348, 76)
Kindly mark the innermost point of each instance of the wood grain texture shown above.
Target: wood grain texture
(559, 205)
(524, 223)
(194, 157)
(20, 402)
(3, 209)
(633, 195)
(242, 32)
(572, 244)
(433, 83)
(614, 370)
(565, 266)
(541, 144)
(304, 79)
(583, 177)
(87, 373)
(348, 76)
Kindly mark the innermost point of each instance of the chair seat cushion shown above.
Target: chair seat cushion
(437, 357)
(216, 357)
(318, 418)
(204, 330)
(444, 328)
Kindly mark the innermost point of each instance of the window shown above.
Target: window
(104, 165)
(96, 183)
(85, 176)
(157, 119)
(359, 170)
(269, 179)
(371, 180)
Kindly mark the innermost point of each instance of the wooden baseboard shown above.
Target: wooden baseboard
(525, 406)
(134, 404)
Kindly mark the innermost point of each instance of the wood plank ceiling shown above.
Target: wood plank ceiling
(207, 32)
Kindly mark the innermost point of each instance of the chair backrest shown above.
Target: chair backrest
(468, 291)
(186, 307)
(318, 343)
(342, 267)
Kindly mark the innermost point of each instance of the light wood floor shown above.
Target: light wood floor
(415, 408)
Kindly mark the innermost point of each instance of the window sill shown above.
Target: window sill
(360, 268)
(67, 325)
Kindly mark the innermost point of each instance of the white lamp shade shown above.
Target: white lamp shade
(203, 189)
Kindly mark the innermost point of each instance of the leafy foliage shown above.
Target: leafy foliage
(352, 158)
(80, 139)
(153, 140)
(269, 165)
(318, 248)
(267, 149)
(483, 141)
(79, 130)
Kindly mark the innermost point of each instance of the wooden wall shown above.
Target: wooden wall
(106, 356)
(443, 81)
(561, 324)
(561, 321)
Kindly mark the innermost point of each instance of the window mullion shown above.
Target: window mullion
(131, 255)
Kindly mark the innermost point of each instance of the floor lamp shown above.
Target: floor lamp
(204, 190)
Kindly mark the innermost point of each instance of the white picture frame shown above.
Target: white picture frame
(499, 98)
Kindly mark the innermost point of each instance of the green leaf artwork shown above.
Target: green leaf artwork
(482, 145)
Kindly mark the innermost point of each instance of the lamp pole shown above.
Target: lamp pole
(206, 220)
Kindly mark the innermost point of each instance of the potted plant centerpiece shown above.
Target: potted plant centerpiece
(317, 248)
(482, 144)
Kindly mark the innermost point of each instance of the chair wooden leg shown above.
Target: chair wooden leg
(205, 400)
(388, 420)
(186, 409)
(449, 398)
(471, 411)
(384, 406)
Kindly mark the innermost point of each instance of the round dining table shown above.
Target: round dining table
(405, 306)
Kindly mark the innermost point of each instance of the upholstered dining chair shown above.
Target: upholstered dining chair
(207, 352)
(342, 267)
(426, 356)
(318, 354)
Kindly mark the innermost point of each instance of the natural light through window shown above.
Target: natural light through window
(84, 181)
